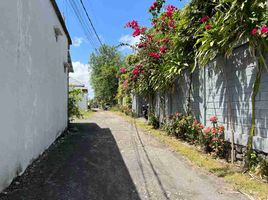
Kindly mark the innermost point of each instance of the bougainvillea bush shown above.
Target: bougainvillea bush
(180, 41)
(212, 138)
(186, 127)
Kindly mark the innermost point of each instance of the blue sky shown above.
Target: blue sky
(109, 18)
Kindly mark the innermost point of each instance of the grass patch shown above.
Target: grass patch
(115, 109)
(231, 174)
(87, 114)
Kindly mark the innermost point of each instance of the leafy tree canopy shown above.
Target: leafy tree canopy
(104, 65)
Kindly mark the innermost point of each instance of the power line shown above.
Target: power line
(91, 23)
(85, 26)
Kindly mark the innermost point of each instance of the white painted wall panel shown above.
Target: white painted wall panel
(33, 84)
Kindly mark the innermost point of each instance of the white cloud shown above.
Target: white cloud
(129, 39)
(77, 41)
(82, 74)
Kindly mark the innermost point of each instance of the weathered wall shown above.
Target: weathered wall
(230, 91)
(137, 103)
(33, 83)
(83, 103)
(217, 92)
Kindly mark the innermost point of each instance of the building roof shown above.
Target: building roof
(58, 13)
(75, 83)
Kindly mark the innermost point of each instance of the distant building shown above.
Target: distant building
(35, 61)
(77, 85)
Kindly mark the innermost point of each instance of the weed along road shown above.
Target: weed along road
(107, 158)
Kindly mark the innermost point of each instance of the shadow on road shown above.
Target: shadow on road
(82, 165)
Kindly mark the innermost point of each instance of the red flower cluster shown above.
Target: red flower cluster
(123, 70)
(163, 49)
(221, 128)
(206, 130)
(170, 8)
(254, 31)
(208, 27)
(213, 137)
(154, 6)
(169, 11)
(135, 72)
(137, 29)
(197, 124)
(204, 19)
(155, 55)
(213, 119)
(134, 24)
(138, 69)
(262, 30)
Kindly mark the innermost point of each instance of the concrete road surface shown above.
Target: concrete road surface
(110, 159)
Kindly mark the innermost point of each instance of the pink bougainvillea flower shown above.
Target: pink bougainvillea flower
(254, 31)
(196, 121)
(168, 14)
(214, 130)
(170, 8)
(208, 27)
(213, 119)
(204, 19)
(221, 129)
(123, 70)
(154, 55)
(142, 71)
(155, 4)
(215, 139)
(136, 33)
(163, 49)
(264, 29)
(128, 24)
(143, 29)
(206, 130)
(133, 24)
(135, 72)
(152, 7)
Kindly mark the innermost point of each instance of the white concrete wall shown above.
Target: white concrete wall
(33, 84)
